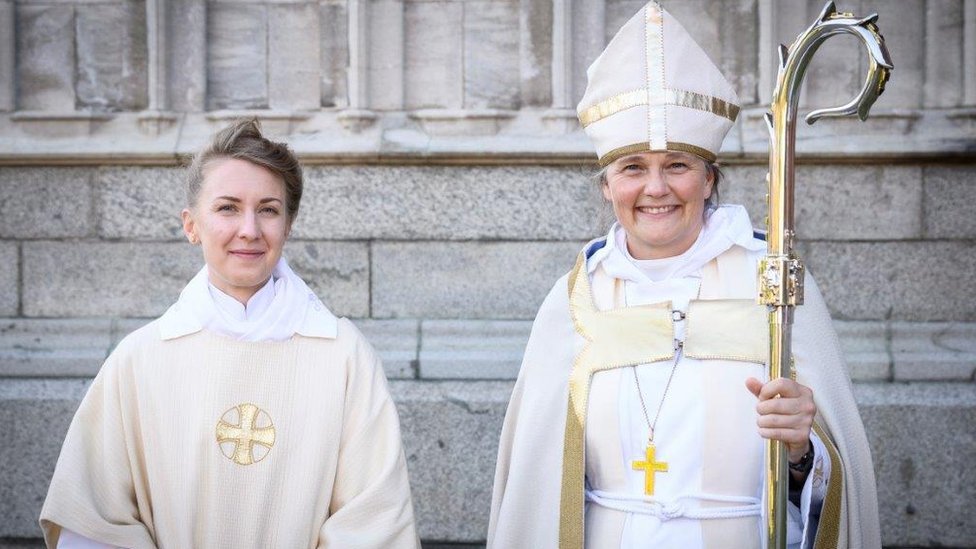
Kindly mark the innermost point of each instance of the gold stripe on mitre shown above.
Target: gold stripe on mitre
(615, 338)
(678, 98)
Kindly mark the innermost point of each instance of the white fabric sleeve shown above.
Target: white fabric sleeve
(72, 540)
(814, 490)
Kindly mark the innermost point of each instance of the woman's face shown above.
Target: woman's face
(241, 223)
(659, 199)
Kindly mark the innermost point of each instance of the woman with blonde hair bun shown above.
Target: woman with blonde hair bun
(248, 415)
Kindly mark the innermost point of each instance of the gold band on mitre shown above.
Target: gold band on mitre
(677, 98)
(620, 152)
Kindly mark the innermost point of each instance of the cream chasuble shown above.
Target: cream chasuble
(723, 477)
(187, 438)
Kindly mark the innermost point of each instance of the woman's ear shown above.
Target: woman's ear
(189, 226)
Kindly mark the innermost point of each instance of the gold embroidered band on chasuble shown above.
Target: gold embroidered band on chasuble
(720, 329)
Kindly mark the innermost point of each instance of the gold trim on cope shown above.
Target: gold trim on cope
(615, 338)
(828, 529)
(678, 98)
(245, 434)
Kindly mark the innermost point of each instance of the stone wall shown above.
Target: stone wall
(442, 133)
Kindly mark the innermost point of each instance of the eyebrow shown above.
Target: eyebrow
(235, 199)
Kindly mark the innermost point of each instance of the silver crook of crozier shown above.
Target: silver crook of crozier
(831, 23)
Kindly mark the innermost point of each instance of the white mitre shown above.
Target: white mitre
(654, 89)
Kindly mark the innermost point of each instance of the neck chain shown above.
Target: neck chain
(649, 465)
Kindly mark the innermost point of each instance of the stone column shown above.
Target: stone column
(943, 54)
(8, 59)
(589, 37)
(186, 59)
(358, 115)
(294, 52)
(969, 53)
(536, 50)
(562, 54)
(156, 117)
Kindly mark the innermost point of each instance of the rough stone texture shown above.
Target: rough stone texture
(45, 202)
(111, 47)
(943, 53)
(450, 431)
(294, 48)
(897, 280)
(139, 203)
(53, 348)
(36, 415)
(237, 49)
(433, 75)
(45, 57)
(840, 202)
(338, 272)
(9, 278)
(405, 202)
(865, 347)
(935, 351)
(334, 48)
(488, 349)
(491, 55)
(948, 193)
(187, 55)
(535, 52)
(858, 202)
(503, 280)
(396, 343)
(922, 440)
(63, 279)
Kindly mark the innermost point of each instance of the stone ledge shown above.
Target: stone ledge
(77, 347)
(918, 433)
(321, 136)
(489, 349)
(472, 349)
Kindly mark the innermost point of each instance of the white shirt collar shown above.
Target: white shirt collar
(285, 306)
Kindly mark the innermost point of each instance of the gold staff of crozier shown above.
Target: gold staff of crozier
(781, 272)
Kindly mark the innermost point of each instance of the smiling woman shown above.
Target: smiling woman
(248, 415)
(639, 414)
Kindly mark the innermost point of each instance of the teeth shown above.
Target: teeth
(659, 209)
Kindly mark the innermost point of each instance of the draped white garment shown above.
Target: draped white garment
(678, 279)
(283, 307)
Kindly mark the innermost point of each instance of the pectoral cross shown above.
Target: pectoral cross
(650, 467)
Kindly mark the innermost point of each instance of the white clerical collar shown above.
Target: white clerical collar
(234, 309)
(291, 308)
(727, 226)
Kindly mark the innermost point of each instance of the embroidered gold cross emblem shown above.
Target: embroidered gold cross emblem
(650, 467)
(245, 434)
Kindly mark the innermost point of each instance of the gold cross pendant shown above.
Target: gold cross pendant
(650, 467)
